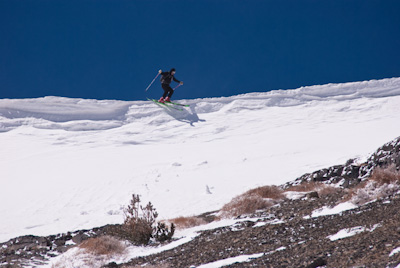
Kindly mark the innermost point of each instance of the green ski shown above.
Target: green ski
(165, 104)
(179, 104)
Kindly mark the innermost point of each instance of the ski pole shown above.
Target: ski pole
(152, 81)
(177, 86)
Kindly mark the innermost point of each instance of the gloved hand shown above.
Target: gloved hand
(159, 71)
(181, 83)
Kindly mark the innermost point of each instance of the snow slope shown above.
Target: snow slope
(69, 164)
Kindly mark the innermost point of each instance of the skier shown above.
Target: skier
(166, 79)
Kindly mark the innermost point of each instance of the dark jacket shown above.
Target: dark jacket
(167, 77)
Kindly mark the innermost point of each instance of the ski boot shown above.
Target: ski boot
(161, 100)
(167, 99)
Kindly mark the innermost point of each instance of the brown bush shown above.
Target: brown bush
(163, 232)
(319, 187)
(140, 224)
(244, 204)
(252, 200)
(103, 245)
(327, 190)
(269, 191)
(382, 183)
(353, 191)
(187, 222)
(386, 175)
(149, 266)
(304, 187)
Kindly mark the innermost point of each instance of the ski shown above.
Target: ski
(178, 104)
(165, 104)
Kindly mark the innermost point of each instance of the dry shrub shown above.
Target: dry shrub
(353, 191)
(149, 266)
(269, 191)
(304, 187)
(244, 204)
(163, 232)
(187, 222)
(372, 191)
(361, 195)
(139, 224)
(103, 245)
(252, 200)
(383, 182)
(321, 188)
(386, 175)
(326, 190)
(139, 221)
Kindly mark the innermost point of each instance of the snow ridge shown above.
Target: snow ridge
(118, 113)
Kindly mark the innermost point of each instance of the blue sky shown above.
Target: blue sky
(112, 49)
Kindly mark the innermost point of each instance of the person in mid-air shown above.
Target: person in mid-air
(166, 79)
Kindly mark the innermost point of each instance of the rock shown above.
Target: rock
(111, 265)
(78, 238)
(312, 195)
(318, 263)
(20, 250)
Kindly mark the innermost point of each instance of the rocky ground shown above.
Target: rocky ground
(284, 235)
(297, 241)
(27, 251)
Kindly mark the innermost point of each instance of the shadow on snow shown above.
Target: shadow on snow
(185, 116)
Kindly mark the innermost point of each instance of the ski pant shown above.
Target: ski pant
(168, 91)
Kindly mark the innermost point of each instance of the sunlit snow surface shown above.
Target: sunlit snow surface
(348, 232)
(333, 210)
(69, 164)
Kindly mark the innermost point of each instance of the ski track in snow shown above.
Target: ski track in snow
(70, 164)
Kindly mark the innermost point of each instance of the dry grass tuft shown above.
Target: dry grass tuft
(103, 245)
(387, 175)
(269, 191)
(373, 191)
(251, 201)
(187, 222)
(383, 182)
(304, 187)
(149, 266)
(326, 190)
(353, 191)
(319, 187)
(244, 204)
